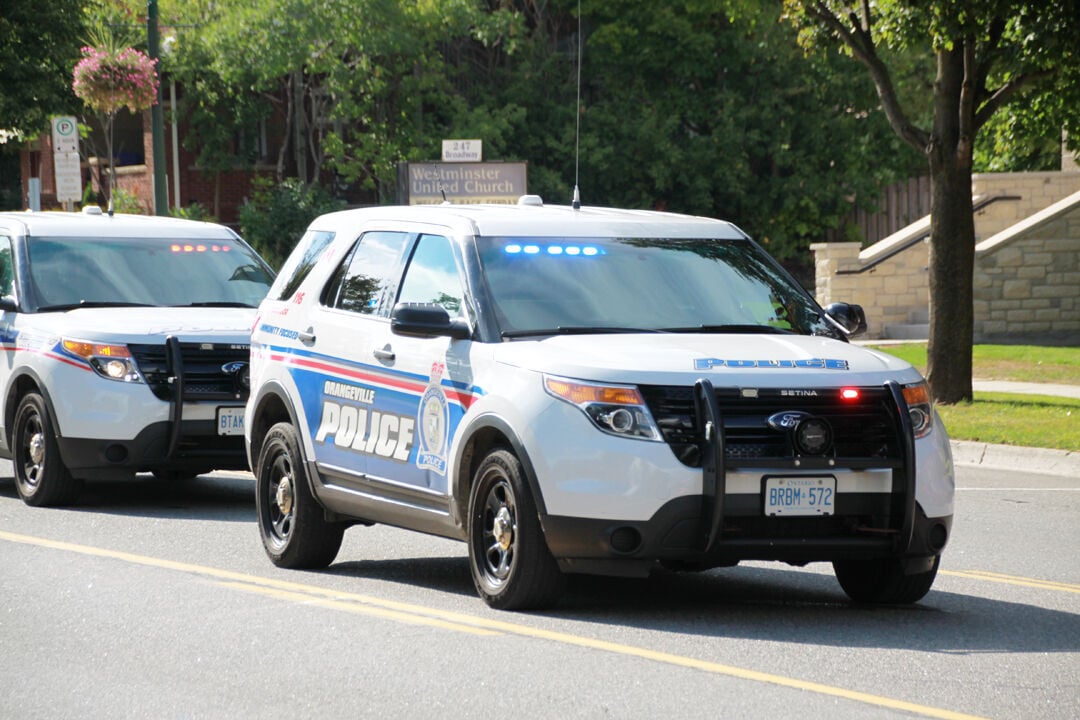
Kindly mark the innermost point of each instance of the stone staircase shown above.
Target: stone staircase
(916, 328)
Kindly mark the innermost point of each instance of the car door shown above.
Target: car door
(432, 375)
(338, 377)
(8, 331)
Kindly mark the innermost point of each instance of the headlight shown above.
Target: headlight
(614, 409)
(920, 409)
(113, 362)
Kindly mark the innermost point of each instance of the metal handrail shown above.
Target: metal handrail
(920, 237)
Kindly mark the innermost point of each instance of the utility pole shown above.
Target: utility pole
(157, 122)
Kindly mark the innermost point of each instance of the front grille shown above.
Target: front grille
(865, 429)
(204, 375)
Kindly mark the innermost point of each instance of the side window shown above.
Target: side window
(432, 276)
(369, 280)
(7, 268)
(299, 264)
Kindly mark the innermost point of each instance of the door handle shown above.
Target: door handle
(307, 336)
(386, 354)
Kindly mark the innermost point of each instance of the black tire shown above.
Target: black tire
(511, 565)
(40, 475)
(884, 581)
(294, 529)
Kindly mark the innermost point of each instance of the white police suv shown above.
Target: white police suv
(584, 390)
(125, 342)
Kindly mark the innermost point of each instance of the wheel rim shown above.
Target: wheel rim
(33, 453)
(281, 498)
(498, 536)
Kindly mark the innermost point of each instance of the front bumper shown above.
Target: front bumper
(198, 449)
(894, 494)
(677, 536)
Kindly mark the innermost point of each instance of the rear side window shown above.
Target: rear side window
(366, 282)
(7, 270)
(299, 265)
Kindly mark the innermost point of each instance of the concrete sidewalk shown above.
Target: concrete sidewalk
(1026, 388)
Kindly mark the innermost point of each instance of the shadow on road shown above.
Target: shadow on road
(226, 498)
(756, 602)
(764, 603)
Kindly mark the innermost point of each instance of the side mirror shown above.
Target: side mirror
(427, 320)
(850, 318)
(8, 304)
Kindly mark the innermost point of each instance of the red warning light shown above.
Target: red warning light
(850, 394)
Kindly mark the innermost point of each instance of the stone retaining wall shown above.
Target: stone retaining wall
(1027, 274)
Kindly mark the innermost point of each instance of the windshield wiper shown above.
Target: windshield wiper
(579, 330)
(216, 303)
(736, 329)
(91, 304)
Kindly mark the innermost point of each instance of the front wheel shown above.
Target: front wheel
(294, 530)
(511, 565)
(40, 475)
(884, 581)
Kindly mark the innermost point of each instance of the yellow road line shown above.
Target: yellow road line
(408, 612)
(1013, 580)
(360, 607)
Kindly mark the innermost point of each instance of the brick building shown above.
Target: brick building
(221, 194)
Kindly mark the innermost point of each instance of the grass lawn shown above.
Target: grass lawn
(1006, 418)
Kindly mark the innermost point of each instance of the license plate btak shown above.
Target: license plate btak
(230, 421)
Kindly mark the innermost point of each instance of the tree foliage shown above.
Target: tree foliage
(277, 214)
(988, 54)
(699, 106)
(39, 44)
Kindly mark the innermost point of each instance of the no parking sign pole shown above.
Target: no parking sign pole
(66, 168)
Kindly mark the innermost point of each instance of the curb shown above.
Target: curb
(1012, 457)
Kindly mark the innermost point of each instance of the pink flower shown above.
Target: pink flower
(106, 82)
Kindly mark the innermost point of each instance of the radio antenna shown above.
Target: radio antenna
(577, 115)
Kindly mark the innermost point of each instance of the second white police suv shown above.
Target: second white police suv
(584, 390)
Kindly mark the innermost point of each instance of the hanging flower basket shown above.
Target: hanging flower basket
(108, 81)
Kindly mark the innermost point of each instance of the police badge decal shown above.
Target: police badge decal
(432, 425)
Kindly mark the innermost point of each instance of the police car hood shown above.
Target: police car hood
(778, 360)
(150, 324)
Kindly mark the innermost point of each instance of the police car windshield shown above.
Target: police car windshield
(76, 272)
(546, 285)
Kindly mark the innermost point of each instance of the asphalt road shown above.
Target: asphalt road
(152, 601)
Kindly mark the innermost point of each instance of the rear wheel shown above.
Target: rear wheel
(511, 565)
(40, 475)
(294, 530)
(884, 581)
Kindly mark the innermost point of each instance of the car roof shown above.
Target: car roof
(531, 218)
(71, 224)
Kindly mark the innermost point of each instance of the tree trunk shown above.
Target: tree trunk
(952, 262)
(300, 150)
(952, 236)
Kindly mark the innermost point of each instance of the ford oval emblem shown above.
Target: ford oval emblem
(786, 420)
(232, 368)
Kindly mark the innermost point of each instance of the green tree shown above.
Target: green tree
(988, 53)
(700, 111)
(277, 214)
(39, 44)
